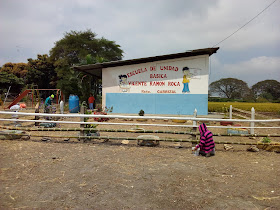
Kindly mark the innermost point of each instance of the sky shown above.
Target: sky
(145, 28)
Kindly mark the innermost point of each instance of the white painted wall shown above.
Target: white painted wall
(154, 77)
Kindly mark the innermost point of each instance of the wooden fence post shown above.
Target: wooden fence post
(230, 112)
(252, 124)
(37, 110)
(194, 127)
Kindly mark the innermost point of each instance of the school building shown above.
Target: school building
(166, 84)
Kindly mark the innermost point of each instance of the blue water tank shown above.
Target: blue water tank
(74, 104)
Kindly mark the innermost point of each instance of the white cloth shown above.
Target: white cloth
(15, 108)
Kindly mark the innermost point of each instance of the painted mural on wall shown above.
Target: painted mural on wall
(123, 84)
(173, 77)
(187, 75)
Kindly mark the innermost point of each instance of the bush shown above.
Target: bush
(141, 112)
(266, 140)
(262, 100)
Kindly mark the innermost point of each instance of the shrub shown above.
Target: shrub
(266, 140)
(262, 100)
(141, 112)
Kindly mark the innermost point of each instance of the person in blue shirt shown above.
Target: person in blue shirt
(48, 103)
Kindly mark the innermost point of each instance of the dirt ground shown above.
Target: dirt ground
(109, 175)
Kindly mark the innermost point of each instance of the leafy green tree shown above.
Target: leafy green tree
(267, 89)
(8, 79)
(230, 88)
(14, 75)
(41, 72)
(88, 84)
(73, 49)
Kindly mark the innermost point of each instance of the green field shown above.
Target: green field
(259, 107)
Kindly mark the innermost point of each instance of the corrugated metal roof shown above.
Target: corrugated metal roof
(96, 69)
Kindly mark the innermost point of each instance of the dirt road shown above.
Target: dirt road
(47, 175)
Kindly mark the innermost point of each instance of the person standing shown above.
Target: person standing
(91, 100)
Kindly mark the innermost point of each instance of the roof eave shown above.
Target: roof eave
(96, 69)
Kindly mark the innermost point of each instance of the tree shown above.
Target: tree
(14, 75)
(8, 79)
(18, 69)
(73, 49)
(8, 68)
(230, 88)
(41, 72)
(267, 89)
(87, 83)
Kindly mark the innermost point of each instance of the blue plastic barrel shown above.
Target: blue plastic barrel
(74, 104)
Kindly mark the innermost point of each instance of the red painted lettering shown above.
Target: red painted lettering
(169, 68)
(157, 83)
(145, 91)
(158, 76)
(138, 71)
(152, 68)
(137, 83)
(166, 91)
(174, 84)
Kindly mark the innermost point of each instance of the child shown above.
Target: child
(206, 144)
(91, 101)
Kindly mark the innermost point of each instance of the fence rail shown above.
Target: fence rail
(139, 131)
(193, 122)
(194, 119)
(136, 117)
(249, 113)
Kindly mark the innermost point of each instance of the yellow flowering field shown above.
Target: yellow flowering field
(259, 107)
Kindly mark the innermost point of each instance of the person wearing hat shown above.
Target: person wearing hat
(48, 103)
